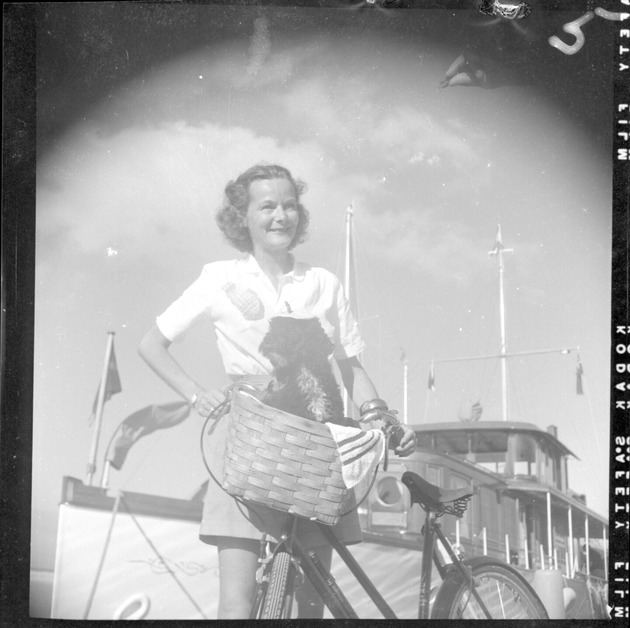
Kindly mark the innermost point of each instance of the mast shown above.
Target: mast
(91, 467)
(405, 389)
(348, 280)
(498, 251)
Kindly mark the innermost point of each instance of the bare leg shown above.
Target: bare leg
(310, 604)
(238, 560)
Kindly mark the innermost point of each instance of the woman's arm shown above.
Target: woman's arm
(356, 381)
(154, 350)
(360, 387)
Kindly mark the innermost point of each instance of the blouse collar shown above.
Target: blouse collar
(297, 273)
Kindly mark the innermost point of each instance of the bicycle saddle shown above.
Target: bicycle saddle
(433, 497)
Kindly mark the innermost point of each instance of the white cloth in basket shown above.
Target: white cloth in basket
(360, 451)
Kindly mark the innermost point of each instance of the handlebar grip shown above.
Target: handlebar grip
(371, 405)
(395, 435)
(377, 409)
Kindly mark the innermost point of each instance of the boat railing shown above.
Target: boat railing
(518, 553)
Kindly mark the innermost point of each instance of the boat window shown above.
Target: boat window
(494, 462)
(523, 449)
(486, 442)
(463, 443)
(449, 442)
(488, 449)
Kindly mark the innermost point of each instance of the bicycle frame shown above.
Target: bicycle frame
(332, 595)
(431, 530)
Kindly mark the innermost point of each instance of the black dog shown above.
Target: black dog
(304, 383)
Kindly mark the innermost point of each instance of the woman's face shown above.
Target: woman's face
(272, 214)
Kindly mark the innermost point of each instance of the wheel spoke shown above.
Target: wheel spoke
(501, 600)
(500, 592)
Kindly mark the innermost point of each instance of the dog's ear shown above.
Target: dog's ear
(270, 340)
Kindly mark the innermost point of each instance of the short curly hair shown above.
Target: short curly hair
(231, 218)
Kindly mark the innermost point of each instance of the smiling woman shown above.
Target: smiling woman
(262, 216)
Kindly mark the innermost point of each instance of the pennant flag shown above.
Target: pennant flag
(112, 385)
(470, 412)
(431, 378)
(476, 411)
(579, 374)
(143, 422)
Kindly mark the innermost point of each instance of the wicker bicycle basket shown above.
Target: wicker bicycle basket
(283, 461)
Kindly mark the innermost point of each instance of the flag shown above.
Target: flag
(432, 378)
(112, 384)
(143, 422)
(470, 411)
(403, 356)
(579, 374)
(476, 411)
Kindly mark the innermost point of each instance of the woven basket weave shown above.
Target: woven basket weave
(283, 461)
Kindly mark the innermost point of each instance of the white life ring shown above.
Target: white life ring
(134, 607)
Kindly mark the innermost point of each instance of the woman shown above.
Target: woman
(263, 217)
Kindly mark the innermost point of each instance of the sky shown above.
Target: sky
(146, 111)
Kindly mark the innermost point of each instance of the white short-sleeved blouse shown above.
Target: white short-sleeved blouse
(239, 299)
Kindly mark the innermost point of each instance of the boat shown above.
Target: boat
(524, 511)
(134, 556)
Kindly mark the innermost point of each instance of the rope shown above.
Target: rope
(103, 554)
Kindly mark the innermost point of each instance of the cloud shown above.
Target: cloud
(147, 192)
(412, 136)
(426, 244)
(314, 109)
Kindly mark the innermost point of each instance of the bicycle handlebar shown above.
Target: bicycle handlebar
(377, 410)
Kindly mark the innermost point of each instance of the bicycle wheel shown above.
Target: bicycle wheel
(501, 589)
(279, 595)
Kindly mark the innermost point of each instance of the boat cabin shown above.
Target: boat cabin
(523, 512)
(516, 450)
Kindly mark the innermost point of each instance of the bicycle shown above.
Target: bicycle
(476, 588)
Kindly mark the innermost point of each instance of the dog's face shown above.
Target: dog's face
(291, 341)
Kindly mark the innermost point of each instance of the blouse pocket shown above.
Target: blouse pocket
(240, 307)
(246, 301)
